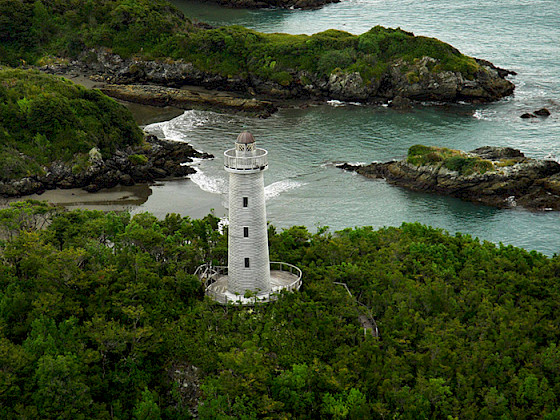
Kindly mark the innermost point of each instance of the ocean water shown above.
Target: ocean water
(302, 185)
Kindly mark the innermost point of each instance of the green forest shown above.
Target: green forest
(46, 118)
(40, 31)
(101, 317)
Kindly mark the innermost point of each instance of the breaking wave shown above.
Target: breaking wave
(277, 188)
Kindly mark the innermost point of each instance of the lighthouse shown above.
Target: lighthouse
(250, 276)
(248, 262)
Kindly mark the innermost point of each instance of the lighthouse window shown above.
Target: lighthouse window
(245, 232)
(246, 262)
(245, 201)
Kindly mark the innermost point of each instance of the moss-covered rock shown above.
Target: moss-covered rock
(497, 176)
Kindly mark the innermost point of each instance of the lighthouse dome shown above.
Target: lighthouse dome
(245, 138)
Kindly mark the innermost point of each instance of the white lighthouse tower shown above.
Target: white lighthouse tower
(248, 263)
(249, 276)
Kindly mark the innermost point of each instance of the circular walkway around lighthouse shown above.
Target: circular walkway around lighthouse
(283, 276)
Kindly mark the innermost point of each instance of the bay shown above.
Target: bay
(302, 185)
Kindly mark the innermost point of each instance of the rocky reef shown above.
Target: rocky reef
(416, 81)
(187, 98)
(495, 176)
(284, 4)
(154, 160)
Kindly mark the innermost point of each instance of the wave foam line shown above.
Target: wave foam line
(277, 188)
(209, 184)
(176, 128)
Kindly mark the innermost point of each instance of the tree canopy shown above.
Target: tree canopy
(35, 30)
(100, 317)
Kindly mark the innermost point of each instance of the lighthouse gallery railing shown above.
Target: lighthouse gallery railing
(246, 163)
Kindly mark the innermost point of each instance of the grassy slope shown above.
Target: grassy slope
(45, 118)
(155, 29)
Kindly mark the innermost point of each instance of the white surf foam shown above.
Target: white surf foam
(211, 184)
(277, 188)
(484, 114)
(177, 128)
(336, 103)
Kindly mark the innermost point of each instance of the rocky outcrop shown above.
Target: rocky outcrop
(284, 4)
(515, 180)
(543, 112)
(412, 81)
(187, 98)
(155, 160)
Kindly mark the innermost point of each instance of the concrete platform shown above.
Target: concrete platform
(289, 280)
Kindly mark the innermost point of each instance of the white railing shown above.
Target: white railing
(282, 266)
(246, 163)
(208, 274)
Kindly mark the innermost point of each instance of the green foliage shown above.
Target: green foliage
(156, 30)
(454, 160)
(45, 118)
(98, 312)
(138, 159)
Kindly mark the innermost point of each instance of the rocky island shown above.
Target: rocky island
(496, 176)
(152, 42)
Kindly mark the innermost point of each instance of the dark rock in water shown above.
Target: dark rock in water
(513, 179)
(156, 159)
(527, 115)
(501, 72)
(400, 103)
(284, 4)
(543, 112)
(496, 153)
(348, 167)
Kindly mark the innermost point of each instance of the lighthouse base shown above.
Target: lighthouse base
(283, 276)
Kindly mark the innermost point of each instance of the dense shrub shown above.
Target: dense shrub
(102, 318)
(45, 118)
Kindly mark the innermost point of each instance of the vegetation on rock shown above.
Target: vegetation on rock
(156, 30)
(454, 160)
(100, 318)
(45, 118)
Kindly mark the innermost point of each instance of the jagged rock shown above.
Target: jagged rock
(284, 4)
(348, 167)
(531, 183)
(543, 112)
(126, 179)
(400, 103)
(158, 173)
(95, 156)
(164, 159)
(186, 99)
(347, 86)
(415, 81)
(527, 115)
(496, 153)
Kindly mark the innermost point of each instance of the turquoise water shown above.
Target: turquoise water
(303, 186)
